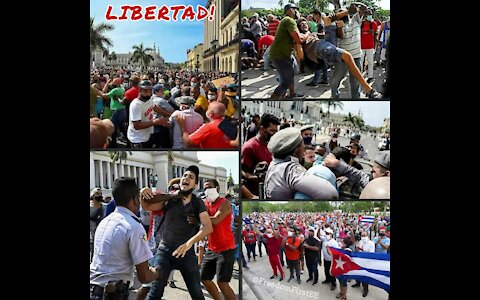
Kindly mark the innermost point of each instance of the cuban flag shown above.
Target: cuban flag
(366, 219)
(369, 267)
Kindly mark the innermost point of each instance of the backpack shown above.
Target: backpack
(196, 211)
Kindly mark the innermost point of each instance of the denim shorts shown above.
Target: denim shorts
(329, 52)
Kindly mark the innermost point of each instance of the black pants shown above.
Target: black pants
(312, 266)
(328, 277)
(294, 265)
(260, 247)
(251, 249)
(282, 261)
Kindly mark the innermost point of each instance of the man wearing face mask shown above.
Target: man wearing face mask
(292, 245)
(97, 211)
(255, 150)
(382, 242)
(193, 121)
(141, 123)
(287, 37)
(179, 234)
(220, 255)
(286, 175)
(307, 134)
(364, 245)
(368, 40)
(209, 135)
(312, 248)
(201, 104)
(328, 240)
(120, 245)
(273, 243)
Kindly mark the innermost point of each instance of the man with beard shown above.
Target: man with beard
(179, 235)
(141, 123)
(307, 134)
(286, 175)
(255, 150)
(287, 37)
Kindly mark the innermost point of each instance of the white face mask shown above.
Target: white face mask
(290, 233)
(211, 97)
(329, 237)
(211, 194)
(364, 239)
(269, 235)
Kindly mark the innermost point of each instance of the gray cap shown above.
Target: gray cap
(285, 141)
(187, 100)
(94, 191)
(305, 127)
(383, 159)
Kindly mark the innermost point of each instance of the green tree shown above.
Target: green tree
(350, 119)
(98, 40)
(332, 103)
(280, 3)
(119, 156)
(140, 54)
(311, 4)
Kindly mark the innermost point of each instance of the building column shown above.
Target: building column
(160, 167)
(109, 174)
(140, 177)
(92, 171)
(100, 169)
(128, 171)
(115, 170)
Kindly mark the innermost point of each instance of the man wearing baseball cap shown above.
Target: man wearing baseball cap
(286, 38)
(141, 122)
(286, 174)
(193, 121)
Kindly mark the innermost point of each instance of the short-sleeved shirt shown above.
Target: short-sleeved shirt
(253, 152)
(210, 136)
(378, 248)
(140, 111)
(160, 102)
(272, 27)
(332, 243)
(283, 44)
(249, 236)
(116, 94)
(120, 244)
(273, 244)
(351, 36)
(202, 101)
(176, 230)
(193, 121)
(266, 40)
(221, 239)
(368, 39)
(293, 254)
(131, 94)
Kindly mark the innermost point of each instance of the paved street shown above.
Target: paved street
(257, 83)
(258, 279)
(181, 292)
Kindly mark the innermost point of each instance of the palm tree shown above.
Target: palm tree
(350, 119)
(112, 56)
(119, 156)
(280, 3)
(141, 54)
(98, 40)
(359, 122)
(170, 164)
(332, 103)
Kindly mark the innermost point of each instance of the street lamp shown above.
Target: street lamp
(214, 45)
(153, 178)
(198, 63)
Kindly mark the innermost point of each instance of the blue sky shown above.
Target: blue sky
(373, 111)
(385, 4)
(225, 159)
(173, 37)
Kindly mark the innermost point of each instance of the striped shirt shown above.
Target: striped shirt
(272, 27)
(351, 39)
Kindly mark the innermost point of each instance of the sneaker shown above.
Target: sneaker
(370, 80)
(273, 276)
(246, 268)
(356, 284)
(373, 94)
(324, 282)
(323, 82)
(309, 279)
(334, 286)
(365, 293)
(312, 84)
(315, 282)
(281, 278)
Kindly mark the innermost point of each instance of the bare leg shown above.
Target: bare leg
(353, 69)
(226, 290)
(212, 289)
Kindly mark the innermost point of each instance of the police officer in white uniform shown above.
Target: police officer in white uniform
(120, 244)
(286, 175)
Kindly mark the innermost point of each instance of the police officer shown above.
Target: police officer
(307, 134)
(381, 167)
(286, 174)
(120, 244)
(355, 139)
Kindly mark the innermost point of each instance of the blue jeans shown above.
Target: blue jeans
(286, 73)
(187, 265)
(339, 72)
(317, 74)
(119, 119)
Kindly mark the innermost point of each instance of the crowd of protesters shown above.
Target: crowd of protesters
(174, 109)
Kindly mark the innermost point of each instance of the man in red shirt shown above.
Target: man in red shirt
(292, 252)
(368, 40)
(255, 150)
(220, 255)
(274, 242)
(250, 240)
(272, 24)
(209, 135)
(263, 43)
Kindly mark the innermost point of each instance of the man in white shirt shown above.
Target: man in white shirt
(328, 240)
(140, 127)
(364, 245)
